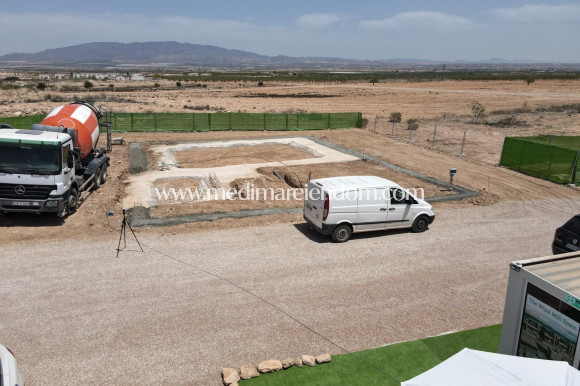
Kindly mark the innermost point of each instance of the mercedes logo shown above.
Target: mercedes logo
(20, 190)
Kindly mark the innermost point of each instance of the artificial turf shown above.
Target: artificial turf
(397, 362)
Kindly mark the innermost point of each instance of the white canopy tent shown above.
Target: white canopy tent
(475, 368)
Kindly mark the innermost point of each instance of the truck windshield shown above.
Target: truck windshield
(29, 158)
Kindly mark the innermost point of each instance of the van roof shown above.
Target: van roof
(335, 183)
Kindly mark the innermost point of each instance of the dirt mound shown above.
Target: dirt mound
(512, 121)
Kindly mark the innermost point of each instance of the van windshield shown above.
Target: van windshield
(26, 158)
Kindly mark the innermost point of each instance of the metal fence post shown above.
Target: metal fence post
(208, 121)
(192, 122)
(393, 130)
(155, 128)
(522, 156)
(328, 125)
(462, 154)
(550, 164)
(375, 128)
(574, 168)
(132, 122)
(410, 135)
(434, 134)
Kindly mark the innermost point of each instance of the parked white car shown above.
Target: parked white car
(9, 372)
(341, 206)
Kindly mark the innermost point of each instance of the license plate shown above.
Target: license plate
(24, 203)
(572, 247)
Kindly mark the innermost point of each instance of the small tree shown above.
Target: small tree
(412, 124)
(395, 117)
(478, 111)
(88, 85)
(41, 86)
(530, 80)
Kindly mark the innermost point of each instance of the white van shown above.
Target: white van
(341, 206)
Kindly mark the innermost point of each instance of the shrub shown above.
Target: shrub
(395, 117)
(178, 84)
(413, 124)
(88, 85)
(260, 84)
(41, 86)
(478, 111)
(156, 85)
(111, 85)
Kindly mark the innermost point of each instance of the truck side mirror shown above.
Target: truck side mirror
(70, 161)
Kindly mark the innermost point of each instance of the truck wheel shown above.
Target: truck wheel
(421, 224)
(97, 179)
(104, 174)
(73, 200)
(342, 233)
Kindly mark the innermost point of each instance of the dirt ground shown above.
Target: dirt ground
(151, 318)
(198, 158)
(446, 103)
(280, 194)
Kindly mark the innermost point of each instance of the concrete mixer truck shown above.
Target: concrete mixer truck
(50, 167)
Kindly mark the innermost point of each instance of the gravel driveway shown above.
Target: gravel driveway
(74, 314)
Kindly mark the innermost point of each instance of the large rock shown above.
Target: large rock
(298, 362)
(308, 360)
(230, 376)
(323, 358)
(288, 362)
(247, 372)
(269, 366)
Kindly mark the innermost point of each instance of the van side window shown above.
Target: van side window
(398, 196)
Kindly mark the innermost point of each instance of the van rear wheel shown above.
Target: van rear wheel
(342, 233)
(421, 224)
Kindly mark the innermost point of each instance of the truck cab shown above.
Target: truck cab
(35, 171)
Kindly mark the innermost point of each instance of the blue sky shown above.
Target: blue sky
(439, 30)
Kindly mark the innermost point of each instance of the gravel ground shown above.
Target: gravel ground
(85, 317)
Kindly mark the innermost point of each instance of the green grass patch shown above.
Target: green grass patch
(402, 361)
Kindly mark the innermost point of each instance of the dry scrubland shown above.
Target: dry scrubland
(446, 104)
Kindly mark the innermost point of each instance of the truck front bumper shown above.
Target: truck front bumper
(50, 205)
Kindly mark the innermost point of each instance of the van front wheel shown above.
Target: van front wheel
(342, 233)
(420, 225)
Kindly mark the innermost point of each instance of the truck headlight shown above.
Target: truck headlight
(51, 204)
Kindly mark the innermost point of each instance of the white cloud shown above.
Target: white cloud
(539, 12)
(424, 19)
(318, 20)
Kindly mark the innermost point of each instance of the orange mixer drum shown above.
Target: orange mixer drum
(81, 119)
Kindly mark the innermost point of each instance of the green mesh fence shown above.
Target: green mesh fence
(143, 122)
(233, 121)
(540, 157)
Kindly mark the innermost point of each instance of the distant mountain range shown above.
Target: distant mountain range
(174, 54)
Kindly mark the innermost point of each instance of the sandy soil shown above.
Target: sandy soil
(198, 158)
